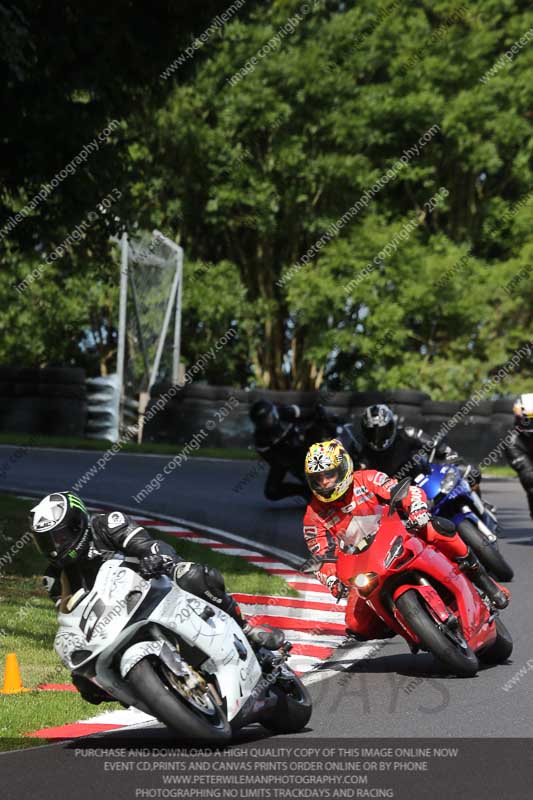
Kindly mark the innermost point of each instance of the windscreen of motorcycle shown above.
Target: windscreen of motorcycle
(361, 530)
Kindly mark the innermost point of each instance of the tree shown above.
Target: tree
(71, 77)
(305, 155)
(254, 168)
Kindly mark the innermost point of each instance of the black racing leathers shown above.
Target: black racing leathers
(111, 533)
(116, 532)
(285, 448)
(409, 453)
(519, 454)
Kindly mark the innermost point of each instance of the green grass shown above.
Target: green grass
(28, 625)
(72, 443)
(499, 472)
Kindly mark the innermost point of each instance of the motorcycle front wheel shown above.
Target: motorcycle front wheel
(195, 716)
(293, 709)
(457, 658)
(488, 553)
(501, 648)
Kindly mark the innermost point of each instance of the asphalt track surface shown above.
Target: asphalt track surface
(388, 693)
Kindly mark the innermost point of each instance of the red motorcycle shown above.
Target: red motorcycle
(419, 593)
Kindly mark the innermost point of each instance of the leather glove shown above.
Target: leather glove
(337, 588)
(156, 564)
(418, 519)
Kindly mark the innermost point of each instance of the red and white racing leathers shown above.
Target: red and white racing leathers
(327, 529)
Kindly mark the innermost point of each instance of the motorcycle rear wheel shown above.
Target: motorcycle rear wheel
(172, 708)
(488, 553)
(461, 661)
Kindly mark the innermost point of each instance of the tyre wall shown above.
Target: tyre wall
(49, 401)
(194, 408)
(63, 402)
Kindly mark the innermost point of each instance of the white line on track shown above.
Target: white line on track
(356, 653)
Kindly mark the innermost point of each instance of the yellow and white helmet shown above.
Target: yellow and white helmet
(328, 470)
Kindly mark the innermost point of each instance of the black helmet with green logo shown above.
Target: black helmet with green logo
(60, 528)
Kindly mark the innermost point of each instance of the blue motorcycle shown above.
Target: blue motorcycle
(450, 496)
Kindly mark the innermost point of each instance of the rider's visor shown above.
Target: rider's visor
(53, 543)
(324, 483)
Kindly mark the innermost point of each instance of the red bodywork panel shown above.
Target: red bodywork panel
(423, 560)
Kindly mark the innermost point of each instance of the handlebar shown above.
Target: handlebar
(313, 564)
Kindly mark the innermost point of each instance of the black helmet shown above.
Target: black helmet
(378, 426)
(265, 415)
(60, 527)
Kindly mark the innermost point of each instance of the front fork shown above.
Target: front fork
(274, 669)
(480, 522)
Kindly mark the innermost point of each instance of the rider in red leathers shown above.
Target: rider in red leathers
(339, 495)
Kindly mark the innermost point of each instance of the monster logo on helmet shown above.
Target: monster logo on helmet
(75, 502)
(328, 470)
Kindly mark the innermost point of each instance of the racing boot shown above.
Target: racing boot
(258, 635)
(264, 636)
(498, 595)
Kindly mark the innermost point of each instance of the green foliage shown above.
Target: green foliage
(249, 165)
(268, 162)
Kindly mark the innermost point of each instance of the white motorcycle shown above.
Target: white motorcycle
(152, 645)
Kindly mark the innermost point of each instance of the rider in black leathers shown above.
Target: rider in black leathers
(519, 445)
(76, 545)
(403, 452)
(283, 434)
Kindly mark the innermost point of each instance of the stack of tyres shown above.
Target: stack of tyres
(358, 402)
(502, 421)
(407, 405)
(103, 410)
(466, 427)
(50, 401)
(187, 413)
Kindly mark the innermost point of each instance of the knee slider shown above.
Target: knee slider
(189, 576)
(215, 580)
(202, 581)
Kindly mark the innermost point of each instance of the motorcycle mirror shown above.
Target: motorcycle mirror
(399, 493)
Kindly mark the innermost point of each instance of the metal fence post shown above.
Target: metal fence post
(121, 345)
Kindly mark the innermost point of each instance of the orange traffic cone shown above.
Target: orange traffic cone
(12, 679)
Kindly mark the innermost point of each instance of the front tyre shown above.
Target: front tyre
(488, 553)
(500, 650)
(196, 717)
(460, 660)
(293, 709)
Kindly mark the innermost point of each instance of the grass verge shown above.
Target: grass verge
(28, 625)
(499, 472)
(23, 441)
